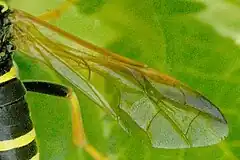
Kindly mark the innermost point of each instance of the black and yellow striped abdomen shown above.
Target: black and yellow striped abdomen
(17, 135)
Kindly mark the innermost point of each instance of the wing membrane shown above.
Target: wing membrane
(170, 113)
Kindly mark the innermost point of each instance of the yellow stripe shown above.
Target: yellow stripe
(18, 142)
(9, 75)
(36, 157)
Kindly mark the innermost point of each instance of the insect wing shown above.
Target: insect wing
(171, 114)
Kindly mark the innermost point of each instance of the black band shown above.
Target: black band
(11, 91)
(14, 120)
(14, 115)
(22, 153)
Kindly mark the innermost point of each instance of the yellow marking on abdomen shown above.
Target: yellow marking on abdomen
(18, 142)
(36, 157)
(9, 75)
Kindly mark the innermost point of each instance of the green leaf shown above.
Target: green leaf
(198, 43)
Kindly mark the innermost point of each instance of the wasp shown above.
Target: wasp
(169, 112)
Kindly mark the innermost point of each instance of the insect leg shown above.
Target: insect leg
(57, 12)
(79, 137)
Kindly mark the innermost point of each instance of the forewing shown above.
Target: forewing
(171, 114)
(174, 117)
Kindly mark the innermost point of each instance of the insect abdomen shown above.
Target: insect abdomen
(17, 135)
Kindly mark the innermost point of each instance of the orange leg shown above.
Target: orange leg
(79, 138)
(57, 12)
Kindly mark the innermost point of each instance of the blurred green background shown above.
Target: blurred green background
(195, 41)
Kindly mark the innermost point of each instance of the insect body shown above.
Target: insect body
(171, 114)
(17, 135)
(17, 132)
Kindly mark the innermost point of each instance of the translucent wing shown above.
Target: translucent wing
(170, 113)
